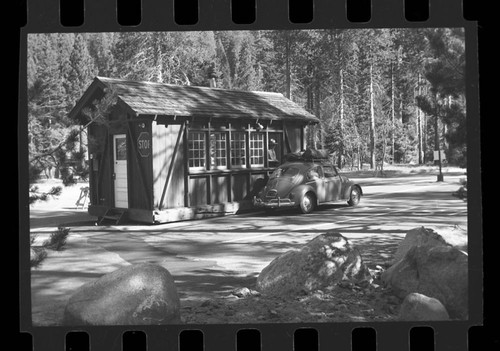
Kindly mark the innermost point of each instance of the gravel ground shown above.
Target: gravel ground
(337, 304)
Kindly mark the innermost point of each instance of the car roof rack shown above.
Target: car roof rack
(309, 155)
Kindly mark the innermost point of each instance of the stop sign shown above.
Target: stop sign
(144, 144)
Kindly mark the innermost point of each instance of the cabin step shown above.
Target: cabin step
(113, 214)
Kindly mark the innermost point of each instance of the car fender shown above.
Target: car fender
(347, 191)
(300, 190)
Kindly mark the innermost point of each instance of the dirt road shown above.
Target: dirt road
(209, 258)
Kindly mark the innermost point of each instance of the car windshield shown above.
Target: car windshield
(285, 172)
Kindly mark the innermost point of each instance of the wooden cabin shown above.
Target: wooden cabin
(169, 153)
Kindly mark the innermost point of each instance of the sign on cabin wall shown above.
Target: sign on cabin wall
(144, 144)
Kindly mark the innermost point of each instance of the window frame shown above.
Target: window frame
(241, 149)
(216, 149)
(334, 171)
(319, 172)
(201, 149)
(262, 149)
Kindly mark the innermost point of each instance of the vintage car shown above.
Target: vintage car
(306, 184)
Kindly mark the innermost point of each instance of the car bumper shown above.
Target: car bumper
(273, 203)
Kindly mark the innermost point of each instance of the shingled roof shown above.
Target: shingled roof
(147, 98)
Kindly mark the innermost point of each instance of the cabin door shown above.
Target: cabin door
(120, 170)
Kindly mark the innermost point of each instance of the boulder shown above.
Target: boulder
(418, 307)
(134, 295)
(454, 236)
(438, 271)
(323, 262)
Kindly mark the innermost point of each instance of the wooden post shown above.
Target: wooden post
(171, 167)
(230, 176)
(208, 160)
(247, 155)
(186, 165)
(302, 138)
(208, 157)
(209, 189)
(247, 146)
(266, 148)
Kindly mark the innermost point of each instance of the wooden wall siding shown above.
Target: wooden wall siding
(239, 186)
(198, 191)
(219, 189)
(164, 139)
(118, 121)
(140, 173)
(100, 173)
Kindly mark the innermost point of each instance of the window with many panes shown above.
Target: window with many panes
(196, 147)
(257, 149)
(238, 149)
(218, 147)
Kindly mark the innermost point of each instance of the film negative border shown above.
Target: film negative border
(157, 15)
(160, 15)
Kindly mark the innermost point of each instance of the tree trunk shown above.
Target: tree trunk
(372, 121)
(436, 128)
(419, 126)
(384, 150)
(317, 113)
(288, 86)
(341, 148)
(158, 75)
(360, 163)
(393, 112)
(401, 106)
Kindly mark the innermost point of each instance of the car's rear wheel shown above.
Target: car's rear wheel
(355, 196)
(307, 203)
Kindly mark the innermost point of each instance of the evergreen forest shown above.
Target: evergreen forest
(383, 96)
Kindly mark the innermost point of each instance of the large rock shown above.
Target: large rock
(438, 271)
(454, 236)
(418, 307)
(133, 295)
(323, 262)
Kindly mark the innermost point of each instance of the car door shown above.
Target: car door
(333, 183)
(316, 179)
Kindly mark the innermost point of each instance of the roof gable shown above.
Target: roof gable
(147, 98)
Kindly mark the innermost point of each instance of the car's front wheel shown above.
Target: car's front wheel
(307, 203)
(355, 196)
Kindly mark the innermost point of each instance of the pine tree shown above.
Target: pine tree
(445, 72)
(100, 46)
(81, 70)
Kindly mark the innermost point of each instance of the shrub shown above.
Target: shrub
(37, 255)
(57, 239)
(36, 195)
(67, 176)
